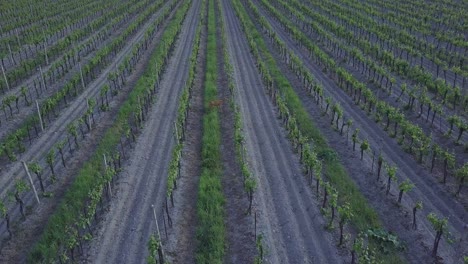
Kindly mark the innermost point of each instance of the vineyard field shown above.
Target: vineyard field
(234, 131)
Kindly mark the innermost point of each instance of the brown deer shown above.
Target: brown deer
(216, 103)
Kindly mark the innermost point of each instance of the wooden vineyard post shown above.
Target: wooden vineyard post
(45, 48)
(31, 181)
(169, 220)
(42, 77)
(40, 116)
(176, 132)
(11, 54)
(75, 53)
(5, 78)
(81, 75)
(46, 57)
(109, 190)
(17, 37)
(156, 220)
(159, 236)
(255, 220)
(89, 118)
(164, 221)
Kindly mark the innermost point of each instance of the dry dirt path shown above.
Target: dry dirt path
(57, 131)
(433, 195)
(129, 223)
(289, 218)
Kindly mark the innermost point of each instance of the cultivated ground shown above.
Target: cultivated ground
(286, 212)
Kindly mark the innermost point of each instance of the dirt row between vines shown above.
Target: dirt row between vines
(27, 232)
(434, 196)
(126, 228)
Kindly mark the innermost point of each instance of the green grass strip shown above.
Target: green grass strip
(210, 204)
(365, 217)
(70, 210)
